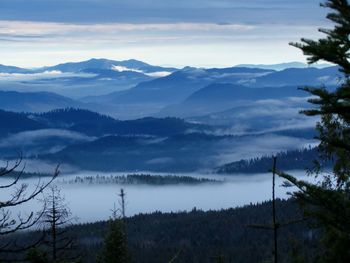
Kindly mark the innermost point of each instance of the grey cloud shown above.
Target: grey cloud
(160, 11)
(33, 137)
(256, 146)
(15, 77)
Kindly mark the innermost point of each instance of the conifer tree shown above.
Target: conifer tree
(115, 247)
(327, 202)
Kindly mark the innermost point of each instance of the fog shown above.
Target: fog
(248, 147)
(94, 202)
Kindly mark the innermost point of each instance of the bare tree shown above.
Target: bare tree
(276, 225)
(56, 218)
(18, 194)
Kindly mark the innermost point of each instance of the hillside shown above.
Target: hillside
(220, 97)
(14, 122)
(289, 160)
(300, 76)
(35, 101)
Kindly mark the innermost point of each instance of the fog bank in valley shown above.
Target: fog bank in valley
(94, 202)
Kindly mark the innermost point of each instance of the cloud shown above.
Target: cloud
(160, 161)
(4, 77)
(29, 138)
(256, 146)
(38, 31)
(262, 116)
(141, 11)
(176, 33)
(153, 74)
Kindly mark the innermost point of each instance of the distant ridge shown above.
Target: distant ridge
(12, 69)
(282, 66)
(106, 64)
(34, 101)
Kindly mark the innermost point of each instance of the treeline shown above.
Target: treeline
(199, 236)
(302, 159)
(147, 179)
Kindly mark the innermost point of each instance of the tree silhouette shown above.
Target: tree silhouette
(56, 218)
(328, 200)
(115, 248)
(18, 194)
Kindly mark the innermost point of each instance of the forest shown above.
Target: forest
(198, 236)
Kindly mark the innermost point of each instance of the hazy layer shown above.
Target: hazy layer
(94, 202)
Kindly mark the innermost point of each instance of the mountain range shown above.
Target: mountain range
(133, 89)
(88, 140)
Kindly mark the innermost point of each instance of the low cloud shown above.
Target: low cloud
(49, 31)
(41, 75)
(29, 138)
(153, 74)
(256, 146)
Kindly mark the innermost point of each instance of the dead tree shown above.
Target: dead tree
(115, 249)
(56, 218)
(18, 194)
(276, 225)
(122, 203)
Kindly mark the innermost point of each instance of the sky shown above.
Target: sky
(177, 33)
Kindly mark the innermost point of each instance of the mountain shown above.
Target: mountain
(301, 159)
(301, 76)
(186, 152)
(140, 153)
(133, 89)
(177, 86)
(283, 66)
(34, 101)
(12, 122)
(217, 93)
(89, 140)
(220, 97)
(12, 69)
(95, 124)
(82, 79)
(53, 131)
(106, 64)
(256, 117)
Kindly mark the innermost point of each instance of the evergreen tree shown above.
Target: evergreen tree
(34, 255)
(328, 200)
(115, 246)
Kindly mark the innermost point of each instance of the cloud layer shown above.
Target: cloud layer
(179, 33)
(160, 11)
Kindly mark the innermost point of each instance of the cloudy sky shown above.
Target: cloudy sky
(164, 32)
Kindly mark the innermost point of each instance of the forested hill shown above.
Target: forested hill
(289, 160)
(203, 237)
(95, 124)
(92, 123)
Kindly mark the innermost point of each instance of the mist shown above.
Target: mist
(94, 202)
